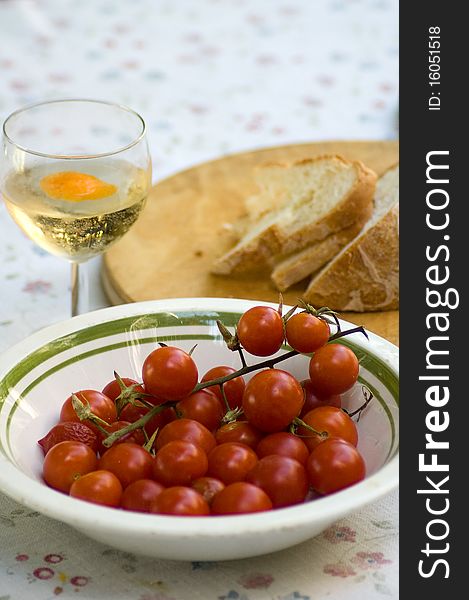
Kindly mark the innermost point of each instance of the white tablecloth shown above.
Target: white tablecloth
(210, 77)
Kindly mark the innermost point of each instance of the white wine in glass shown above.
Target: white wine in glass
(75, 177)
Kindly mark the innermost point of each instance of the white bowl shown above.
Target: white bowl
(40, 372)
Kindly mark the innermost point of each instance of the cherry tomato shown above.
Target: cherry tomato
(187, 430)
(112, 389)
(333, 369)
(202, 406)
(99, 487)
(100, 405)
(333, 465)
(312, 400)
(306, 333)
(69, 430)
(128, 462)
(231, 462)
(260, 331)
(135, 436)
(272, 399)
(240, 497)
(133, 412)
(208, 487)
(241, 432)
(180, 500)
(283, 479)
(140, 495)
(178, 463)
(283, 443)
(169, 373)
(334, 421)
(234, 388)
(67, 461)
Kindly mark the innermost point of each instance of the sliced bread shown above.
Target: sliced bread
(300, 204)
(364, 276)
(295, 267)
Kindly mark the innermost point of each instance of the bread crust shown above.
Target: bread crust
(292, 269)
(357, 205)
(365, 277)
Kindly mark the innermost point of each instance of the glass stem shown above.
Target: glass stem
(80, 288)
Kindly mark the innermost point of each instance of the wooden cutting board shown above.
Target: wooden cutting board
(169, 251)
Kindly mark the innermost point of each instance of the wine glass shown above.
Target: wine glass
(74, 176)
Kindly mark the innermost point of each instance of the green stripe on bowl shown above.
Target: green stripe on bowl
(102, 330)
(140, 341)
(147, 321)
(144, 322)
(94, 352)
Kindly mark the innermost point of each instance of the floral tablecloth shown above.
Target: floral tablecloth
(211, 77)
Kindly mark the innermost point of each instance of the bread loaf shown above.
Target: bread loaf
(297, 266)
(364, 276)
(298, 205)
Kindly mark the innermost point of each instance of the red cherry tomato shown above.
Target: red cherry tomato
(240, 497)
(306, 333)
(72, 431)
(283, 443)
(112, 390)
(312, 400)
(283, 479)
(260, 331)
(334, 465)
(187, 430)
(100, 405)
(169, 373)
(140, 495)
(128, 462)
(67, 461)
(202, 406)
(133, 412)
(135, 436)
(231, 462)
(234, 388)
(272, 399)
(180, 500)
(99, 487)
(240, 432)
(178, 463)
(333, 369)
(208, 487)
(334, 421)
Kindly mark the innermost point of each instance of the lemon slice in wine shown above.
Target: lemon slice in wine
(75, 187)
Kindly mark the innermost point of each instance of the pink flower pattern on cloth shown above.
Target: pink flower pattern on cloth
(211, 77)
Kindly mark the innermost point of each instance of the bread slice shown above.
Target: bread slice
(364, 276)
(299, 265)
(300, 204)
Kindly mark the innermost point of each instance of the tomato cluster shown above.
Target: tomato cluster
(176, 445)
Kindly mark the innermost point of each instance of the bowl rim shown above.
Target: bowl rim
(38, 496)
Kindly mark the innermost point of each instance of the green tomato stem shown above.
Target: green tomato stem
(140, 423)
(340, 334)
(225, 399)
(297, 422)
(137, 424)
(269, 364)
(244, 371)
(368, 395)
